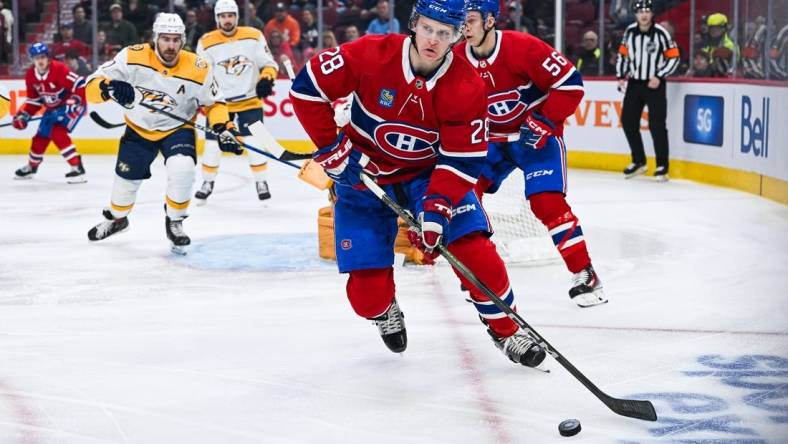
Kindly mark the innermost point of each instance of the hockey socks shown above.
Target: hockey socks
(478, 253)
(564, 227)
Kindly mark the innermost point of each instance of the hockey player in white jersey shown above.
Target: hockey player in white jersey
(245, 71)
(164, 76)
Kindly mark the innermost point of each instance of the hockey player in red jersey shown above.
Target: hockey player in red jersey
(531, 90)
(52, 86)
(425, 149)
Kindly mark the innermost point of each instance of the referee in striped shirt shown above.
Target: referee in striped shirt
(646, 56)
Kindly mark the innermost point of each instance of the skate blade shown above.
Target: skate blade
(76, 180)
(590, 299)
(23, 177)
(662, 178)
(200, 202)
(180, 250)
(638, 172)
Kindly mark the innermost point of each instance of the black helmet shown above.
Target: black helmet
(643, 4)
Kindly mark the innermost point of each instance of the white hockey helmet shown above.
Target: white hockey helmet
(167, 23)
(223, 6)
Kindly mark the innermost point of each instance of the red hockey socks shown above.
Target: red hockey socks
(564, 228)
(371, 291)
(63, 143)
(478, 253)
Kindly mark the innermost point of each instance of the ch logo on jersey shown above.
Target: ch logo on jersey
(236, 65)
(406, 142)
(505, 107)
(158, 99)
(49, 98)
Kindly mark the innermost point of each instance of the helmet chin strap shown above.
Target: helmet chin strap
(484, 36)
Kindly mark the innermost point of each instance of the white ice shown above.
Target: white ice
(250, 339)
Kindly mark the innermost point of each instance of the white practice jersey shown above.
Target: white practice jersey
(180, 90)
(237, 63)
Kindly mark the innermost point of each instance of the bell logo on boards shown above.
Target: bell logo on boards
(755, 127)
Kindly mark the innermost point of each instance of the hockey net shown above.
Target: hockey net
(520, 237)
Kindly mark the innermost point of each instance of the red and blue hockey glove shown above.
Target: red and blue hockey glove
(20, 120)
(117, 90)
(344, 164)
(228, 137)
(434, 220)
(536, 130)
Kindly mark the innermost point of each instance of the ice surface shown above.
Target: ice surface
(249, 338)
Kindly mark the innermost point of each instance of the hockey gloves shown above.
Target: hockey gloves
(20, 120)
(536, 130)
(434, 221)
(344, 164)
(264, 88)
(117, 90)
(229, 138)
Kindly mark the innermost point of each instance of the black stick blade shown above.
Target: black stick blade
(103, 123)
(632, 408)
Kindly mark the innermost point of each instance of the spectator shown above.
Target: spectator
(351, 34)
(700, 65)
(255, 21)
(68, 43)
(286, 25)
(621, 13)
(83, 31)
(588, 63)
(384, 23)
(281, 51)
(76, 63)
(141, 15)
(193, 30)
(105, 50)
(120, 32)
(309, 33)
(329, 40)
(718, 46)
(7, 28)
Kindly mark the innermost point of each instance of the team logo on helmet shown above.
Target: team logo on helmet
(505, 107)
(158, 99)
(406, 142)
(236, 65)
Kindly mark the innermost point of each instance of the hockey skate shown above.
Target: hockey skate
(391, 326)
(108, 227)
(25, 172)
(635, 169)
(202, 194)
(262, 190)
(586, 288)
(519, 348)
(661, 174)
(178, 239)
(77, 174)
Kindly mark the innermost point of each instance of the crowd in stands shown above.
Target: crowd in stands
(292, 31)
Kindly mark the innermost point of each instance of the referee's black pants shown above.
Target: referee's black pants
(637, 96)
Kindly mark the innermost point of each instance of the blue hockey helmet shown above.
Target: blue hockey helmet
(450, 12)
(484, 7)
(38, 49)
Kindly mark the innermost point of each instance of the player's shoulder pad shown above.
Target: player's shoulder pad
(193, 67)
(463, 79)
(248, 32)
(212, 38)
(139, 54)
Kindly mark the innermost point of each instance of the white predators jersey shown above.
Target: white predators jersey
(237, 63)
(180, 90)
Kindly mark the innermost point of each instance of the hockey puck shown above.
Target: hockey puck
(569, 427)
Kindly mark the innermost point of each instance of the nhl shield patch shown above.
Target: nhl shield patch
(386, 98)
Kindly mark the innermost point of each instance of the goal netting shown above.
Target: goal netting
(519, 235)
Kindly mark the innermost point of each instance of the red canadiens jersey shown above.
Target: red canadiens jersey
(52, 89)
(405, 123)
(523, 74)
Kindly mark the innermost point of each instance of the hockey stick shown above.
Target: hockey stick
(103, 123)
(625, 407)
(11, 123)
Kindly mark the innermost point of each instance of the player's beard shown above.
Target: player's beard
(228, 28)
(169, 56)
